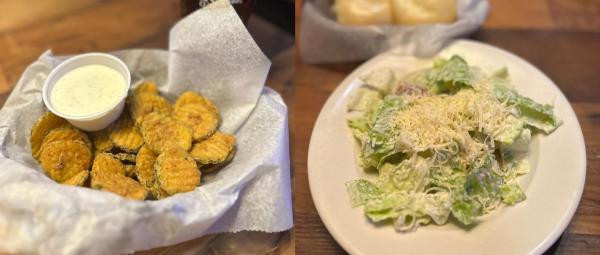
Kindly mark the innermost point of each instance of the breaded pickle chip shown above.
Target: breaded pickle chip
(142, 104)
(125, 136)
(157, 192)
(144, 167)
(62, 160)
(105, 162)
(213, 150)
(210, 168)
(200, 120)
(146, 87)
(66, 133)
(118, 184)
(161, 132)
(176, 171)
(190, 97)
(39, 130)
(101, 140)
(78, 179)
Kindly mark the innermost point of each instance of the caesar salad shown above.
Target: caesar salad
(448, 141)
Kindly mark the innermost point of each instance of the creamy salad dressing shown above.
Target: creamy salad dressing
(87, 90)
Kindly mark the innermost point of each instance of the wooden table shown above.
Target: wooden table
(561, 37)
(77, 26)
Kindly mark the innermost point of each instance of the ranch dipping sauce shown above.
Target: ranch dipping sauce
(87, 90)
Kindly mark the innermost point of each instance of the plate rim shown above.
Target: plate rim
(558, 228)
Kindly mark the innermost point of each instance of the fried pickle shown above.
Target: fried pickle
(101, 140)
(161, 132)
(200, 120)
(146, 87)
(125, 136)
(118, 184)
(78, 179)
(210, 168)
(213, 150)
(190, 97)
(62, 160)
(66, 133)
(142, 104)
(105, 162)
(41, 128)
(176, 171)
(157, 192)
(144, 167)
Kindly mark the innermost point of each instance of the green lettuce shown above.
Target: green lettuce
(512, 193)
(450, 76)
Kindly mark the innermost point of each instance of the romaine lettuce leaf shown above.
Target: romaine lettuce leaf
(512, 193)
(381, 136)
(466, 211)
(450, 76)
(535, 115)
(361, 191)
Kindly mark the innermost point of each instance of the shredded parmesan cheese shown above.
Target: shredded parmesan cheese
(441, 123)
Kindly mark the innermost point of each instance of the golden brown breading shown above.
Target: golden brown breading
(146, 87)
(118, 184)
(176, 171)
(41, 128)
(157, 192)
(106, 162)
(125, 136)
(210, 168)
(213, 150)
(101, 140)
(142, 104)
(161, 132)
(200, 120)
(66, 133)
(144, 167)
(61, 160)
(190, 97)
(78, 179)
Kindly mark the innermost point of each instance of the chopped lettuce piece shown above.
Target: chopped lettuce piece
(466, 211)
(386, 207)
(364, 99)
(437, 206)
(513, 127)
(361, 191)
(512, 193)
(359, 128)
(535, 115)
(381, 79)
(380, 141)
(450, 76)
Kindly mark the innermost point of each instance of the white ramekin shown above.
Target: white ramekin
(99, 120)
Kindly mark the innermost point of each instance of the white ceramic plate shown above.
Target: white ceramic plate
(553, 187)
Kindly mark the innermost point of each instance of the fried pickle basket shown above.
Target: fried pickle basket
(209, 52)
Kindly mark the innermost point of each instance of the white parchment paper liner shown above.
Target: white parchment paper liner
(210, 52)
(322, 39)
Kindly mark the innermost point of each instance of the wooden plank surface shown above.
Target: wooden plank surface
(561, 37)
(28, 28)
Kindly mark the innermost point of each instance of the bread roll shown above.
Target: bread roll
(416, 12)
(363, 12)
